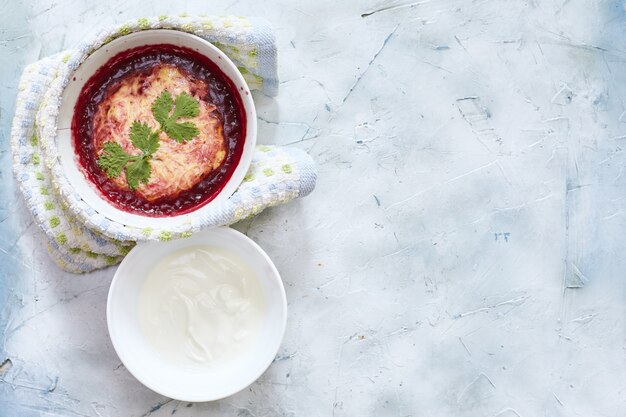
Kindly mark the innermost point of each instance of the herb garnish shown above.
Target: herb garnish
(186, 106)
(137, 167)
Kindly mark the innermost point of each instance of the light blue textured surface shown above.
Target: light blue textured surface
(471, 153)
(13, 269)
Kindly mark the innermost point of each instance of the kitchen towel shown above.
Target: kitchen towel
(79, 238)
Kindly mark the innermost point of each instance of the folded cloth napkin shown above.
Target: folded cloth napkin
(79, 238)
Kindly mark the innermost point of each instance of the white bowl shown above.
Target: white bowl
(69, 161)
(201, 384)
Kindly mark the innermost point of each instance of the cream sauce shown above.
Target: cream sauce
(201, 305)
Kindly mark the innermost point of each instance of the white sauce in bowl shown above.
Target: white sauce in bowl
(201, 305)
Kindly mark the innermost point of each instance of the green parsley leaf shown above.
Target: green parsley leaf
(138, 171)
(185, 106)
(113, 159)
(162, 106)
(143, 138)
(137, 167)
(181, 132)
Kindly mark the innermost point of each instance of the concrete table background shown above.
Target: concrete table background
(471, 176)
